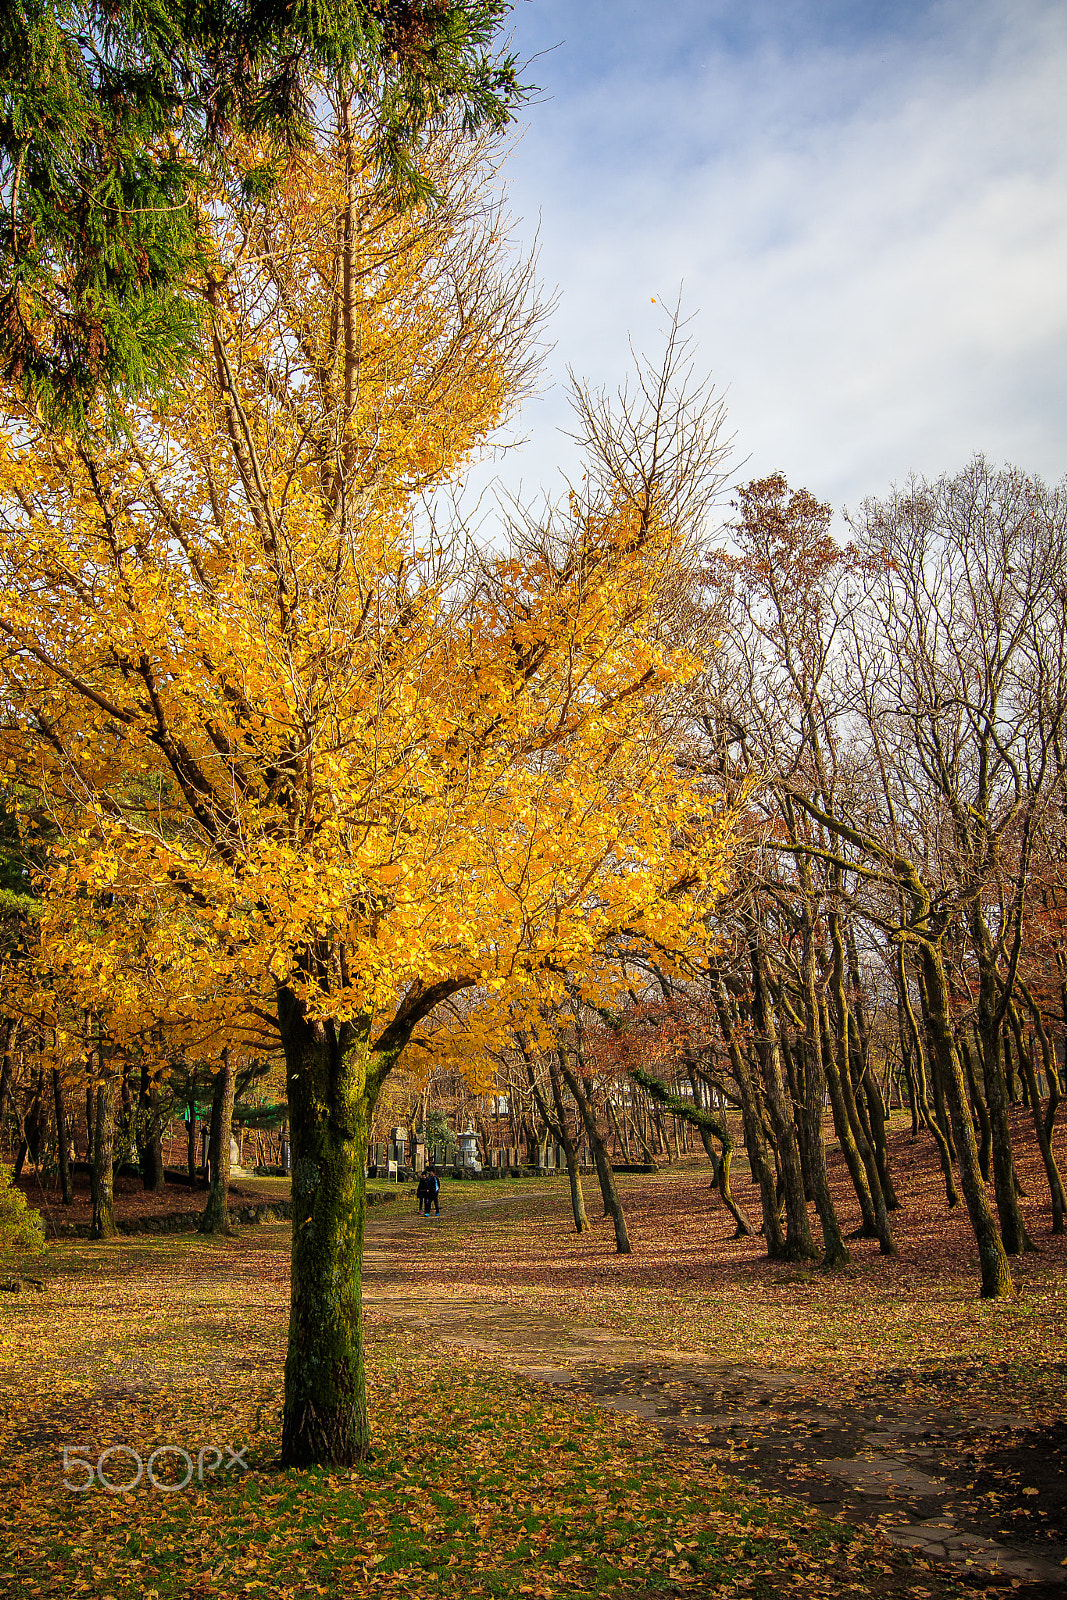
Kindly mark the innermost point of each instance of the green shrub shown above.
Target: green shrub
(18, 1224)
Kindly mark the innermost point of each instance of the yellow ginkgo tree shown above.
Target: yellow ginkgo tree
(342, 767)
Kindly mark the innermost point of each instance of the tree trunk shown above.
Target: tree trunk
(66, 1180)
(190, 1139)
(1009, 1071)
(843, 1069)
(216, 1214)
(755, 1142)
(150, 1134)
(1012, 1228)
(334, 1076)
(799, 1244)
(90, 1122)
(929, 1116)
(835, 1251)
(11, 1030)
(795, 1079)
(859, 1052)
(581, 1221)
(996, 1278)
(612, 1203)
(1052, 1172)
(985, 1148)
(101, 1173)
(909, 1076)
(876, 1118)
(708, 1124)
(847, 1141)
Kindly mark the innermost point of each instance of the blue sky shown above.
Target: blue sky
(864, 205)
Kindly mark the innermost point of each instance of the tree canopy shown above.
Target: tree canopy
(112, 117)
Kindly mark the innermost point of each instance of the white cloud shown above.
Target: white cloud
(872, 221)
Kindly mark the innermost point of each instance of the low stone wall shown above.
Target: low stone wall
(188, 1221)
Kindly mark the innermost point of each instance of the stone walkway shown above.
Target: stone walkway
(933, 1480)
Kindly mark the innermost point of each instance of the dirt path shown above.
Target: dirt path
(983, 1493)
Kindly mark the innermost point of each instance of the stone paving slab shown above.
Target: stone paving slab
(941, 1540)
(873, 1474)
(875, 1464)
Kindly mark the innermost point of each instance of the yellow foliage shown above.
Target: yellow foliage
(290, 745)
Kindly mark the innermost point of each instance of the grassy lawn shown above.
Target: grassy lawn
(482, 1483)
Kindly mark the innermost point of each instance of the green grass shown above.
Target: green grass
(480, 1485)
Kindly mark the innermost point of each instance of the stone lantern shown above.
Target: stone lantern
(468, 1150)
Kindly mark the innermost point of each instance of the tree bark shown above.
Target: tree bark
(1012, 1228)
(101, 1172)
(1052, 1172)
(334, 1075)
(847, 1141)
(216, 1214)
(612, 1203)
(978, 1105)
(996, 1277)
(190, 1139)
(909, 1076)
(859, 1051)
(66, 1180)
(799, 1245)
(835, 1251)
(150, 1131)
(929, 1116)
(11, 1031)
(843, 1070)
(758, 1154)
(581, 1221)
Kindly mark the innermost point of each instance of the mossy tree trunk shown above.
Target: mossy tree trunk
(709, 1126)
(10, 1037)
(847, 1143)
(1052, 1173)
(190, 1140)
(860, 1033)
(928, 1112)
(799, 1244)
(996, 1277)
(334, 1075)
(612, 1203)
(839, 1072)
(990, 1032)
(835, 1251)
(978, 1106)
(759, 1155)
(334, 1072)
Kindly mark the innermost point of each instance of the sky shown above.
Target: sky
(862, 205)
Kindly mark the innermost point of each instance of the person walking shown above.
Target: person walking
(423, 1194)
(434, 1189)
